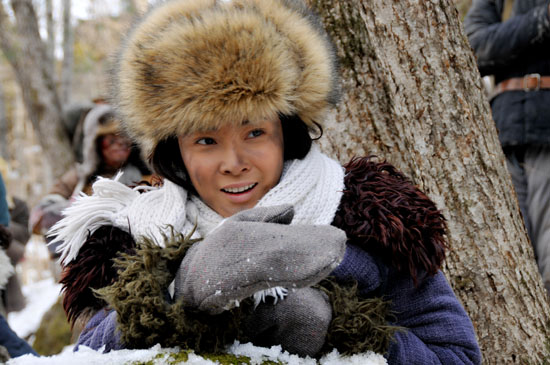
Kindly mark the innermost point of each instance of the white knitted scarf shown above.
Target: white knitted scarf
(313, 185)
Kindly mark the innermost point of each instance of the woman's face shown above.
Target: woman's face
(232, 168)
(115, 149)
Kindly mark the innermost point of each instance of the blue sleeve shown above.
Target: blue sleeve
(496, 43)
(101, 330)
(360, 266)
(4, 211)
(437, 330)
(15, 345)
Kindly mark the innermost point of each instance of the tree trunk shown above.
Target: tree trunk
(4, 153)
(27, 56)
(68, 54)
(413, 96)
(50, 44)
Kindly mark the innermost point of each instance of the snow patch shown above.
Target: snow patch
(40, 297)
(257, 355)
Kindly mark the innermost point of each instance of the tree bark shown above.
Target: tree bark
(68, 54)
(26, 53)
(50, 44)
(413, 96)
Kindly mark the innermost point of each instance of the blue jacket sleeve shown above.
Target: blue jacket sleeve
(361, 267)
(15, 345)
(496, 43)
(437, 330)
(101, 330)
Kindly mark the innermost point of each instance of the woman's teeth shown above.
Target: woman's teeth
(239, 190)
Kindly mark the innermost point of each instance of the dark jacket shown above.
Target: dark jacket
(395, 249)
(515, 47)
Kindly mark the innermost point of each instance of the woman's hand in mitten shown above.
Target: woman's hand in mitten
(254, 250)
(298, 323)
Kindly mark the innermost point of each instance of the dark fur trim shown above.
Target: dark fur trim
(5, 237)
(385, 214)
(358, 324)
(93, 269)
(146, 317)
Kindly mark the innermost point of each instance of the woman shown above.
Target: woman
(222, 96)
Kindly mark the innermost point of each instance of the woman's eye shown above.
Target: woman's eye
(255, 133)
(206, 140)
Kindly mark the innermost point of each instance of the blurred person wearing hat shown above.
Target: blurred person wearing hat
(106, 149)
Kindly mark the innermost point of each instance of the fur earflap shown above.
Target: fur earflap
(199, 64)
(385, 214)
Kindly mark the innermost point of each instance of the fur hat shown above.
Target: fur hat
(192, 65)
(98, 122)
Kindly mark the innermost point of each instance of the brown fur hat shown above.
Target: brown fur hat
(192, 65)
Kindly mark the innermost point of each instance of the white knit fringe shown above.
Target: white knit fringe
(90, 212)
(276, 292)
(6, 269)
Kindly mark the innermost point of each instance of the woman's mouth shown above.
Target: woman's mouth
(240, 189)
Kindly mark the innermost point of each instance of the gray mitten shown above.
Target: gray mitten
(254, 250)
(299, 323)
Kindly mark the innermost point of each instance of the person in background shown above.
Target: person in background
(511, 41)
(10, 344)
(105, 150)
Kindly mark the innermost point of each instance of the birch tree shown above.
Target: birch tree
(50, 44)
(68, 54)
(26, 53)
(412, 95)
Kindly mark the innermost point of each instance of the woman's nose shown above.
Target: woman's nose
(234, 161)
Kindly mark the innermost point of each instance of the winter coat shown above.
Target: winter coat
(394, 251)
(380, 202)
(513, 48)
